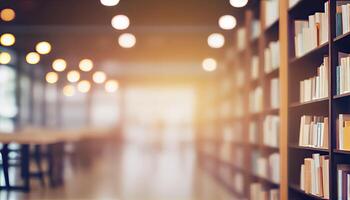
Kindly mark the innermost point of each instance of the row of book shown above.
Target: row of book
(314, 131)
(342, 73)
(254, 69)
(316, 87)
(271, 130)
(271, 12)
(311, 33)
(275, 93)
(343, 182)
(267, 167)
(258, 192)
(272, 56)
(342, 17)
(314, 176)
(343, 140)
(256, 100)
(253, 132)
(256, 29)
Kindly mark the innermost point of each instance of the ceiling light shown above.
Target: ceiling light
(51, 77)
(68, 90)
(216, 40)
(7, 39)
(99, 77)
(120, 22)
(43, 48)
(73, 76)
(33, 58)
(227, 22)
(7, 14)
(84, 86)
(109, 2)
(86, 65)
(59, 65)
(238, 3)
(209, 64)
(111, 86)
(127, 40)
(5, 58)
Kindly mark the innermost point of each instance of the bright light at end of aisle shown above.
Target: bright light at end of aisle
(59, 65)
(7, 14)
(127, 40)
(5, 58)
(227, 22)
(99, 77)
(209, 64)
(33, 58)
(43, 48)
(120, 22)
(68, 90)
(51, 77)
(238, 3)
(86, 65)
(84, 86)
(7, 39)
(109, 2)
(216, 40)
(111, 86)
(73, 76)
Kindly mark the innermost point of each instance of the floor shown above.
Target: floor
(134, 173)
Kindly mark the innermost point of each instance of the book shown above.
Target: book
(343, 171)
(255, 67)
(272, 57)
(256, 100)
(271, 12)
(274, 93)
(343, 132)
(271, 130)
(313, 131)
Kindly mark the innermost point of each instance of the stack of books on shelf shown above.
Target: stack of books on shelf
(258, 192)
(255, 29)
(342, 17)
(271, 12)
(275, 93)
(272, 57)
(343, 182)
(311, 33)
(293, 3)
(253, 132)
(314, 131)
(316, 87)
(271, 130)
(343, 140)
(256, 100)
(254, 71)
(241, 39)
(343, 71)
(314, 176)
(268, 168)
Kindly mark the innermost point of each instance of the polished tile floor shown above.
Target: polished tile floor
(134, 173)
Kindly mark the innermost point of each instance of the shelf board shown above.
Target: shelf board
(295, 146)
(296, 188)
(273, 74)
(339, 96)
(272, 111)
(272, 30)
(269, 148)
(298, 104)
(344, 152)
(315, 54)
(265, 180)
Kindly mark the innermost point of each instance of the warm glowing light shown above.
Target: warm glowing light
(227, 22)
(73, 76)
(216, 40)
(84, 86)
(86, 65)
(51, 77)
(7, 14)
(7, 39)
(99, 77)
(43, 48)
(5, 58)
(120, 22)
(109, 2)
(111, 86)
(33, 58)
(59, 65)
(238, 3)
(68, 90)
(127, 40)
(209, 64)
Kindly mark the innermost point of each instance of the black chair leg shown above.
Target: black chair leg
(38, 162)
(5, 165)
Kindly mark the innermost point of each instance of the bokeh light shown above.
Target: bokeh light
(5, 58)
(51, 77)
(209, 64)
(43, 48)
(7, 39)
(227, 22)
(99, 77)
(7, 14)
(68, 90)
(86, 65)
(111, 86)
(127, 40)
(216, 40)
(84, 86)
(120, 22)
(73, 76)
(59, 65)
(33, 58)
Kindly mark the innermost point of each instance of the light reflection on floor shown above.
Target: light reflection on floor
(135, 173)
